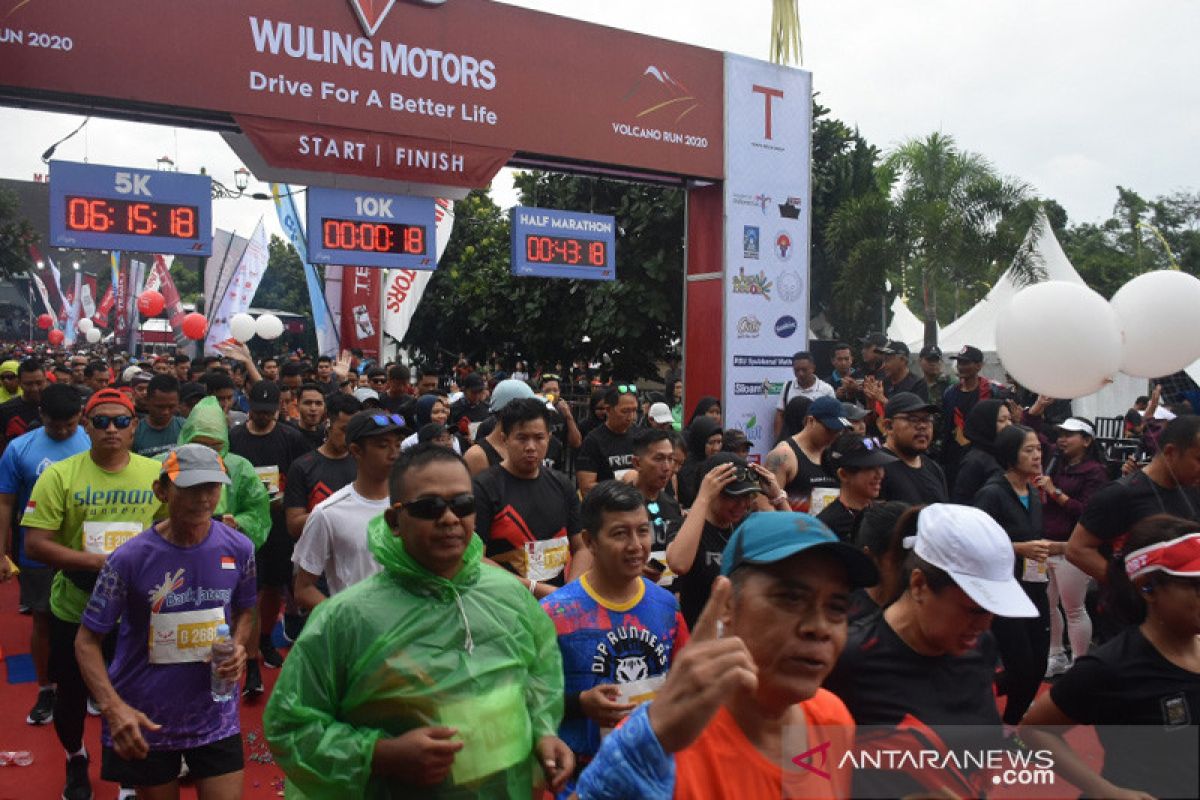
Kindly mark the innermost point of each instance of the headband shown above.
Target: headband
(1177, 557)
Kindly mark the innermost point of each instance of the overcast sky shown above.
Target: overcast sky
(1072, 96)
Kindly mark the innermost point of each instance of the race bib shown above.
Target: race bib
(546, 559)
(619, 474)
(104, 537)
(472, 429)
(494, 729)
(1035, 571)
(667, 577)
(182, 637)
(269, 475)
(637, 692)
(820, 499)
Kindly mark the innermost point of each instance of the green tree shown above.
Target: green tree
(16, 235)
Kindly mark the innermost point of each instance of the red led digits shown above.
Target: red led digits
(372, 237)
(563, 250)
(98, 215)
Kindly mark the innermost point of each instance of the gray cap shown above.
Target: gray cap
(193, 464)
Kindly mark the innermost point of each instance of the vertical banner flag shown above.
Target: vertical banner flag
(160, 280)
(56, 290)
(135, 278)
(360, 324)
(406, 286)
(87, 300)
(42, 293)
(218, 268)
(768, 144)
(73, 311)
(334, 275)
(120, 279)
(51, 290)
(242, 286)
(293, 228)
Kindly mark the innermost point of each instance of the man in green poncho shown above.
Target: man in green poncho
(438, 678)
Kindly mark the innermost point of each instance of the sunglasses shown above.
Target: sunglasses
(627, 389)
(383, 420)
(461, 505)
(378, 380)
(102, 421)
(550, 376)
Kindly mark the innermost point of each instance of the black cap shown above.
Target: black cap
(895, 349)
(192, 392)
(853, 412)
(968, 353)
(856, 452)
(906, 402)
(745, 480)
(876, 339)
(931, 352)
(472, 382)
(264, 396)
(430, 432)
(368, 423)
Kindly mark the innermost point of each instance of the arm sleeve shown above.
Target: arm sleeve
(1079, 693)
(312, 549)
(544, 692)
(325, 757)
(250, 505)
(293, 493)
(630, 765)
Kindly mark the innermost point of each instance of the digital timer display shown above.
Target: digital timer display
(131, 217)
(565, 250)
(551, 243)
(373, 237)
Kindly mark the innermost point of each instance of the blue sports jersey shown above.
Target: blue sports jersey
(602, 642)
(25, 458)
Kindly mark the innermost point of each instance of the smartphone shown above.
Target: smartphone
(656, 565)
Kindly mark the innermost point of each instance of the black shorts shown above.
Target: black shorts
(274, 560)
(35, 588)
(162, 766)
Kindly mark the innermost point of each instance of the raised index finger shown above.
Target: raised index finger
(706, 624)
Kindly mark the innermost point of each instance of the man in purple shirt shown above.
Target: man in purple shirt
(170, 587)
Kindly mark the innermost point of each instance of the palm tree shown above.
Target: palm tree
(932, 227)
(786, 47)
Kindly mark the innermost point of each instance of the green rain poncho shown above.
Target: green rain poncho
(245, 497)
(405, 649)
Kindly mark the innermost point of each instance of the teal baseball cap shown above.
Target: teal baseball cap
(767, 537)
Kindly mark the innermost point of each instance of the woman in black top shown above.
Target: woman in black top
(704, 438)
(706, 406)
(1141, 688)
(1011, 500)
(858, 463)
(880, 535)
(597, 412)
(984, 422)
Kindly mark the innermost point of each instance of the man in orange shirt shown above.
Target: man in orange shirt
(742, 713)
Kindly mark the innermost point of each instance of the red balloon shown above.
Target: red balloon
(45, 321)
(150, 303)
(56, 337)
(194, 326)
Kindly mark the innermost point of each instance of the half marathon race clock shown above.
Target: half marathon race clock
(96, 207)
(563, 244)
(367, 229)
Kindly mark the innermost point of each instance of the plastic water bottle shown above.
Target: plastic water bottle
(222, 690)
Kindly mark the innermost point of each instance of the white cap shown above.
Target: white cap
(129, 372)
(1162, 412)
(1077, 425)
(364, 393)
(660, 413)
(976, 552)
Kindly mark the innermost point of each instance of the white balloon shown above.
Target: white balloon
(1158, 314)
(1060, 339)
(241, 327)
(269, 326)
(93, 335)
(84, 325)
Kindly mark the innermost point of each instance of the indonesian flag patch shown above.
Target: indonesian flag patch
(30, 507)
(227, 562)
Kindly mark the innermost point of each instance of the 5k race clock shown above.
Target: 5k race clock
(563, 244)
(96, 207)
(367, 229)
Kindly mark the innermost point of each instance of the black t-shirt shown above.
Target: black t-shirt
(605, 453)
(315, 438)
(314, 476)
(861, 605)
(1117, 507)
(272, 456)
(915, 384)
(512, 513)
(665, 518)
(694, 587)
(17, 416)
(554, 449)
(914, 485)
(841, 520)
(462, 414)
(1127, 682)
(809, 476)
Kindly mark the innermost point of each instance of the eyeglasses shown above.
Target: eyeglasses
(923, 419)
(461, 505)
(383, 420)
(102, 421)
(378, 380)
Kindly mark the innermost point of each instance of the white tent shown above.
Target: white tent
(906, 327)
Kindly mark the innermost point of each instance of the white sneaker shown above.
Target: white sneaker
(93, 710)
(1057, 664)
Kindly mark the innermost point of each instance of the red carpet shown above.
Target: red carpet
(44, 778)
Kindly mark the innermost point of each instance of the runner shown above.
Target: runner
(319, 473)
(653, 460)
(23, 462)
(751, 672)
(81, 509)
(348, 720)
(158, 430)
(796, 461)
(607, 452)
(617, 631)
(334, 539)
(22, 413)
(171, 586)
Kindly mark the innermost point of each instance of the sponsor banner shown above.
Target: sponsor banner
(474, 72)
(767, 156)
(405, 287)
(320, 148)
(360, 322)
(136, 277)
(242, 286)
(87, 298)
(219, 267)
(161, 281)
(73, 310)
(41, 290)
